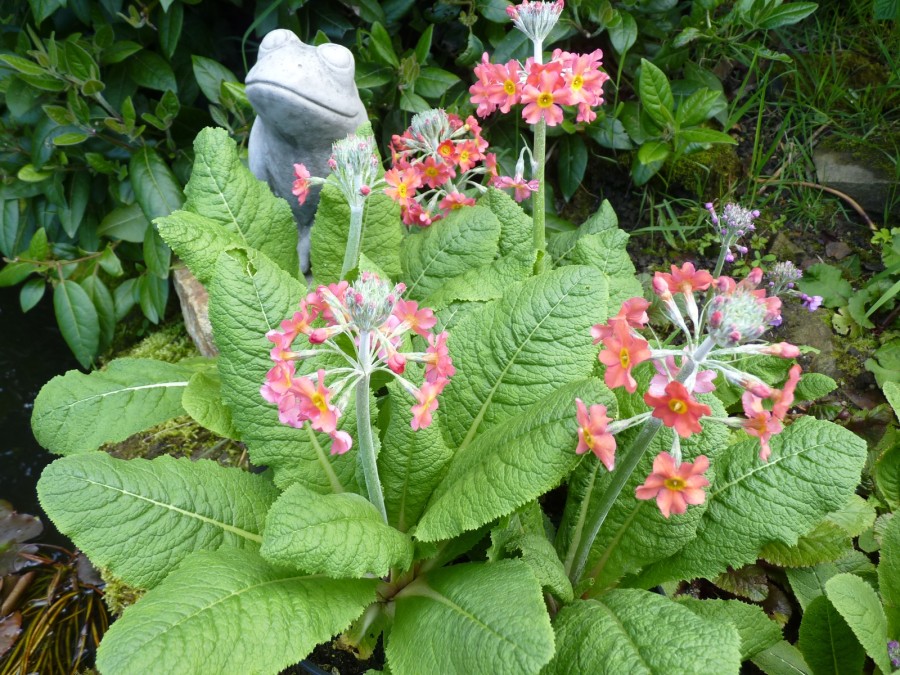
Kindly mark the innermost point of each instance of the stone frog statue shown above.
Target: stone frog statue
(305, 98)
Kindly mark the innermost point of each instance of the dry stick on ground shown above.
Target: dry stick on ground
(803, 183)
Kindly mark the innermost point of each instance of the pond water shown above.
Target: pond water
(31, 352)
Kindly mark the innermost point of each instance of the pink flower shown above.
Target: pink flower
(438, 364)
(419, 320)
(703, 384)
(301, 184)
(282, 349)
(783, 398)
(633, 312)
(467, 154)
(686, 280)
(481, 90)
(455, 201)
(783, 349)
(523, 188)
(341, 442)
(278, 381)
(505, 89)
(623, 352)
(759, 423)
(678, 409)
(315, 403)
(300, 322)
(426, 403)
(674, 487)
(592, 434)
(544, 93)
(403, 185)
(433, 172)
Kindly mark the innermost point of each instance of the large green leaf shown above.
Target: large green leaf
(781, 659)
(637, 632)
(561, 245)
(808, 583)
(756, 630)
(250, 295)
(381, 237)
(511, 464)
(78, 413)
(156, 188)
(813, 470)
(889, 575)
(465, 240)
(502, 350)
(860, 607)
(202, 400)
(229, 611)
(826, 641)
(607, 252)
(222, 189)
(634, 533)
(471, 618)
(139, 518)
(515, 225)
(487, 282)
(78, 320)
(411, 463)
(656, 94)
(340, 535)
(197, 240)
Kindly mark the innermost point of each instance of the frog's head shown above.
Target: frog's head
(297, 88)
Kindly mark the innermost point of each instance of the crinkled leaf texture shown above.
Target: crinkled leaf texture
(471, 618)
(808, 583)
(340, 535)
(636, 632)
(230, 611)
(756, 630)
(78, 413)
(139, 518)
(411, 463)
(607, 252)
(515, 351)
(826, 641)
(223, 190)
(813, 470)
(250, 295)
(634, 533)
(465, 240)
(202, 400)
(889, 575)
(515, 224)
(511, 464)
(382, 234)
(197, 240)
(859, 605)
(782, 658)
(561, 245)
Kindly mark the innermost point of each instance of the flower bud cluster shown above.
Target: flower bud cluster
(433, 162)
(735, 316)
(734, 222)
(376, 319)
(783, 277)
(355, 165)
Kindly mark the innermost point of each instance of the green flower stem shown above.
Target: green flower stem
(354, 237)
(537, 205)
(626, 466)
(364, 431)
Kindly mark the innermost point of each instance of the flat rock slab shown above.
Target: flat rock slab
(194, 301)
(847, 171)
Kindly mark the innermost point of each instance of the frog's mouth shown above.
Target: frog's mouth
(280, 91)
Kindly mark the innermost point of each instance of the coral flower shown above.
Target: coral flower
(455, 201)
(674, 487)
(759, 423)
(438, 364)
(315, 403)
(419, 320)
(544, 93)
(434, 173)
(301, 184)
(340, 442)
(504, 93)
(633, 312)
(426, 404)
(784, 398)
(523, 188)
(467, 154)
(623, 352)
(686, 280)
(593, 434)
(677, 409)
(403, 185)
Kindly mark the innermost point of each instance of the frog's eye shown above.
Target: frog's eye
(335, 55)
(275, 39)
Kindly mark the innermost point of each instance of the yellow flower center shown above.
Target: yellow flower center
(676, 484)
(464, 156)
(509, 87)
(624, 358)
(319, 401)
(677, 406)
(401, 189)
(545, 100)
(588, 439)
(577, 83)
(431, 171)
(445, 150)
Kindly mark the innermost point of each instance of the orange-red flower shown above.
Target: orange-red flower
(686, 280)
(593, 435)
(678, 409)
(623, 352)
(674, 487)
(783, 398)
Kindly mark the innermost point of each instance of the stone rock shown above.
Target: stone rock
(305, 98)
(801, 327)
(837, 250)
(857, 174)
(195, 308)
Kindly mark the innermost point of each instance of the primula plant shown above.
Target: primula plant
(413, 405)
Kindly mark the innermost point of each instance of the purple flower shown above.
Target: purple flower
(811, 302)
(894, 653)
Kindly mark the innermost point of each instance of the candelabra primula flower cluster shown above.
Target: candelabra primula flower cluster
(355, 165)
(376, 319)
(730, 325)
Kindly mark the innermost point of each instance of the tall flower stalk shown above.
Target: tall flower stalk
(375, 319)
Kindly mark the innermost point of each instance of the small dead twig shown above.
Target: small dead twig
(766, 182)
